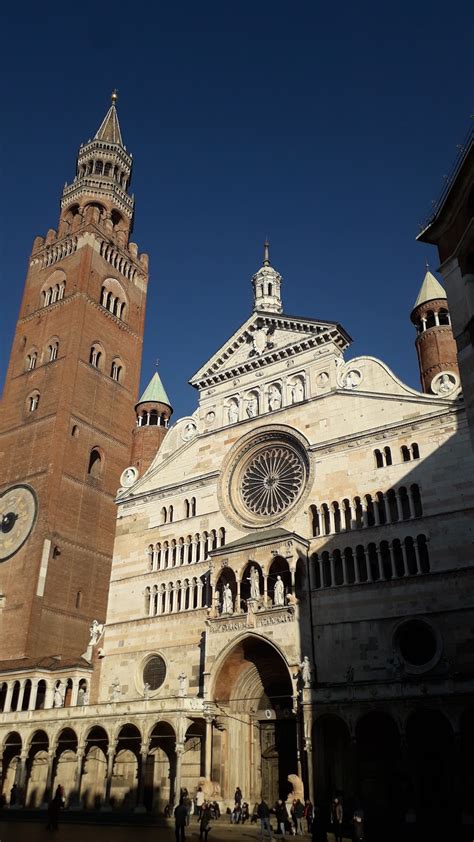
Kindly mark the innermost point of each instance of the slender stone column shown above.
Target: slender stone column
(344, 568)
(368, 567)
(392, 565)
(21, 694)
(365, 515)
(179, 759)
(49, 697)
(193, 551)
(78, 777)
(356, 568)
(140, 807)
(375, 507)
(309, 760)
(33, 694)
(47, 795)
(399, 506)
(332, 527)
(8, 698)
(404, 557)
(199, 596)
(321, 572)
(208, 760)
(417, 556)
(237, 607)
(21, 778)
(265, 590)
(167, 599)
(410, 504)
(108, 782)
(380, 565)
(75, 691)
(331, 563)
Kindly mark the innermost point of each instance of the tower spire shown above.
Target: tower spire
(266, 285)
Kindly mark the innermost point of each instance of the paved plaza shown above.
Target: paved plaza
(35, 831)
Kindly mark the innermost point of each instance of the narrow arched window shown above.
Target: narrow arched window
(164, 515)
(388, 455)
(415, 451)
(170, 514)
(95, 356)
(53, 351)
(33, 402)
(78, 599)
(405, 453)
(186, 508)
(95, 464)
(116, 371)
(193, 507)
(378, 459)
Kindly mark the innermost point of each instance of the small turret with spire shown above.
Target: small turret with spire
(266, 285)
(435, 343)
(153, 412)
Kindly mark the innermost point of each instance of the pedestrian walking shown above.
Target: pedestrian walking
(281, 815)
(199, 801)
(298, 817)
(180, 814)
(337, 818)
(358, 831)
(205, 823)
(53, 811)
(238, 796)
(308, 814)
(264, 816)
(13, 795)
(318, 833)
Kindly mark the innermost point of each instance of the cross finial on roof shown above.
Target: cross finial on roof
(427, 266)
(114, 96)
(157, 363)
(266, 252)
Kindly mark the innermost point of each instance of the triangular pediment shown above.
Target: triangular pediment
(265, 338)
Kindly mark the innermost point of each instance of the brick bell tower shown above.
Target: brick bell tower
(68, 408)
(435, 345)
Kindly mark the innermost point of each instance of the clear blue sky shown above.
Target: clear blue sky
(327, 127)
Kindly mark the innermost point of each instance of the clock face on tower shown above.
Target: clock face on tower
(18, 511)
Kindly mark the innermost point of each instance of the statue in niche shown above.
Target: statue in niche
(233, 412)
(352, 379)
(227, 601)
(443, 384)
(306, 672)
(96, 631)
(146, 690)
(254, 580)
(58, 700)
(297, 391)
(274, 398)
(279, 592)
(85, 698)
(183, 684)
(252, 406)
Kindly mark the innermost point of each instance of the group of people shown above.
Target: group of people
(203, 808)
(295, 819)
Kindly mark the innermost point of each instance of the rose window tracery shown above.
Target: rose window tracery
(272, 481)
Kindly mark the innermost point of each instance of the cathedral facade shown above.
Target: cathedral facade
(290, 595)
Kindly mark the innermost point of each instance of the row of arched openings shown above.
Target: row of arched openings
(383, 458)
(393, 506)
(374, 563)
(187, 550)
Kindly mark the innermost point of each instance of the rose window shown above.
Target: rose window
(272, 481)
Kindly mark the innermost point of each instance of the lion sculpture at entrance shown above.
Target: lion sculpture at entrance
(211, 789)
(298, 788)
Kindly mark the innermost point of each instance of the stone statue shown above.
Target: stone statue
(444, 384)
(297, 391)
(183, 684)
(96, 631)
(211, 789)
(116, 691)
(298, 788)
(279, 592)
(254, 580)
(352, 379)
(252, 406)
(146, 690)
(227, 601)
(85, 698)
(58, 700)
(306, 672)
(233, 412)
(274, 398)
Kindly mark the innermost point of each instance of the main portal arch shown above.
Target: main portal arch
(255, 739)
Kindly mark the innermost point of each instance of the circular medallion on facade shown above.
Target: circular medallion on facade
(264, 477)
(210, 417)
(154, 672)
(190, 430)
(129, 476)
(18, 511)
(272, 481)
(445, 383)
